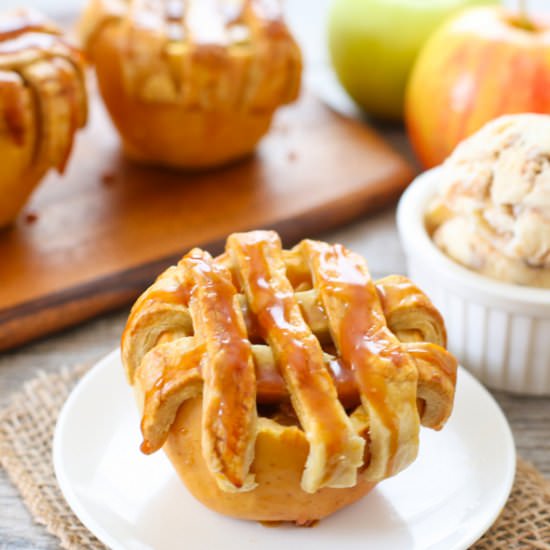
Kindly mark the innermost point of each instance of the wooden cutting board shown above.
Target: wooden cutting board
(93, 239)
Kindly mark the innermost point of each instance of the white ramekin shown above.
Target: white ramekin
(498, 331)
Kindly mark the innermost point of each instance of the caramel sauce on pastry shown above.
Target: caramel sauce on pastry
(229, 388)
(42, 104)
(385, 374)
(239, 52)
(300, 359)
(191, 83)
(304, 336)
(29, 42)
(14, 107)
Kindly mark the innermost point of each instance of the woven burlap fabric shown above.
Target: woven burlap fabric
(26, 432)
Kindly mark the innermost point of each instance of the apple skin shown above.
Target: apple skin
(373, 45)
(476, 67)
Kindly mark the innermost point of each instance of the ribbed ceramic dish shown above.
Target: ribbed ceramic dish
(498, 331)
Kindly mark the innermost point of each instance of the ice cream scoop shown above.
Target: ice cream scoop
(492, 213)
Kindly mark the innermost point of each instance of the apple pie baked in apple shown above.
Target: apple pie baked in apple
(42, 104)
(191, 83)
(284, 384)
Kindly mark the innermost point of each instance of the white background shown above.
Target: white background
(307, 18)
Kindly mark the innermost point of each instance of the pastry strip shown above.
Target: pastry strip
(335, 450)
(52, 71)
(409, 313)
(229, 390)
(162, 308)
(23, 21)
(168, 375)
(16, 114)
(201, 53)
(385, 374)
(436, 381)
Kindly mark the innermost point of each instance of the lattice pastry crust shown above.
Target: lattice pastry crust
(191, 83)
(209, 54)
(361, 363)
(42, 104)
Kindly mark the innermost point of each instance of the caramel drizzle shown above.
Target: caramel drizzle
(374, 367)
(229, 392)
(442, 366)
(26, 41)
(360, 333)
(312, 309)
(170, 291)
(24, 21)
(11, 92)
(25, 49)
(207, 22)
(204, 52)
(172, 373)
(298, 356)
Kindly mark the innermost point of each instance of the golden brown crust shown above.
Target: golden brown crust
(323, 338)
(42, 104)
(177, 366)
(229, 389)
(336, 452)
(385, 373)
(409, 312)
(191, 84)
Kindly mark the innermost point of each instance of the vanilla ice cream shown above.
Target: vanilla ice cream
(492, 213)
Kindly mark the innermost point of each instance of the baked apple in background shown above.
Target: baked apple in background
(373, 45)
(484, 63)
(42, 105)
(191, 84)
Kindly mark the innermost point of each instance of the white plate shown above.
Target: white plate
(445, 500)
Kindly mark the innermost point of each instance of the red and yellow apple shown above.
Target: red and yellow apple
(481, 64)
(373, 45)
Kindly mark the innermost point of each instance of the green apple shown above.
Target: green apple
(373, 45)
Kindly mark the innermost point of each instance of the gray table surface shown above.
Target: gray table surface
(375, 237)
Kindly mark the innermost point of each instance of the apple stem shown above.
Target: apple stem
(523, 17)
(523, 8)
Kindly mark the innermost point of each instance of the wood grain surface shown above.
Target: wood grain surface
(99, 234)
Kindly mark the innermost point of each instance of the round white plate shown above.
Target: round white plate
(445, 500)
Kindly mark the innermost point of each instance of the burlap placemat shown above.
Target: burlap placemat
(26, 431)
